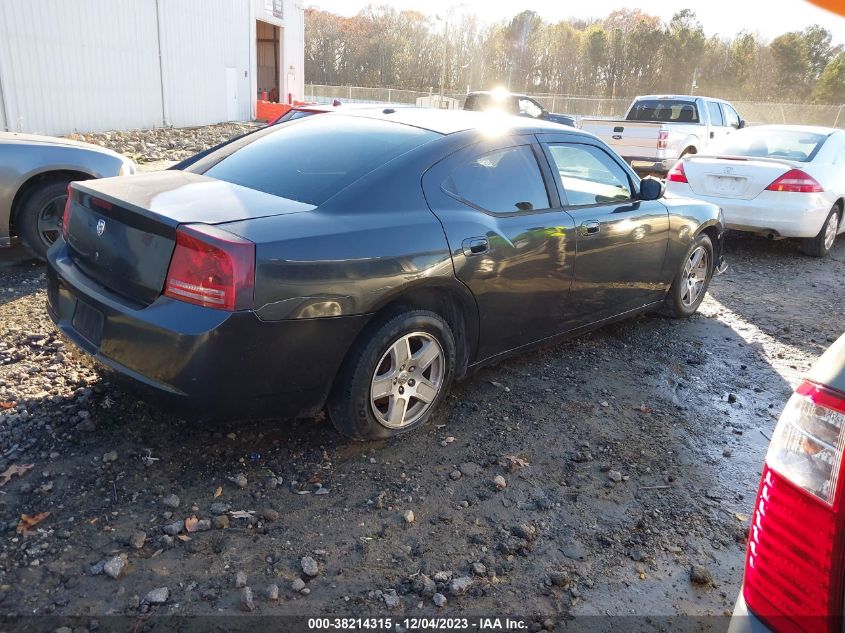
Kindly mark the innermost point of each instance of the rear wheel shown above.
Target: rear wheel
(820, 245)
(39, 220)
(395, 377)
(692, 280)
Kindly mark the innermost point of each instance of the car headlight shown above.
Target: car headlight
(127, 168)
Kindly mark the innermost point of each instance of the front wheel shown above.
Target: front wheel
(820, 245)
(692, 280)
(395, 377)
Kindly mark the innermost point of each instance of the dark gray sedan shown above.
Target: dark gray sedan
(364, 260)
(34, 175)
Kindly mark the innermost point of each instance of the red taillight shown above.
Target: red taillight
(796, 549)
(663, 140)
(796, 181)
(677, 173)
(211, 268)
(66, 213)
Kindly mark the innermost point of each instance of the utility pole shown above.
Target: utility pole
(443, 67)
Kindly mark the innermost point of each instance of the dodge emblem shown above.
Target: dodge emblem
(101, 227)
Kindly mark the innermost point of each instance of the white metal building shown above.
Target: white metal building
(94, 65)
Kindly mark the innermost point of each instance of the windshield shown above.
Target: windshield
(311, 160)
(765, 142)
(667, 110)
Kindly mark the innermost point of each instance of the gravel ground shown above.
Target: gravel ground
(628, 459)
(613, 474)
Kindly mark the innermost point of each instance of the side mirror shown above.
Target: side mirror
(741, 124)
(651, 188)
(544, 114)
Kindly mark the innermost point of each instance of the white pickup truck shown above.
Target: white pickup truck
(658, 129)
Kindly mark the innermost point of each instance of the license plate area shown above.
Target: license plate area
(726, 185)
(88, 321)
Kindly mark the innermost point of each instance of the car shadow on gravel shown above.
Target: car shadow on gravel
(16, 273)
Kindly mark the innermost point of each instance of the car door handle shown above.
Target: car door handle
(475, 246)
(712, 135)
(590, 228)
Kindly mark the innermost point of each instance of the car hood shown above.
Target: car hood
(36, 139)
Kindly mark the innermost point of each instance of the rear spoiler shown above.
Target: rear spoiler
(766, 159)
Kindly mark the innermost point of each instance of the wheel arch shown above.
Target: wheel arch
(452, 301)
(33, 181)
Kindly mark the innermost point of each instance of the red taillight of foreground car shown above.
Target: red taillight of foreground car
(796, 181)
(794, 564)
(66, 213)
(211, 268)
(677, 173)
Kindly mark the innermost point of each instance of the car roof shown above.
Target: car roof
(812, 129)
(497, 92)
(452, 121)
(684, 97)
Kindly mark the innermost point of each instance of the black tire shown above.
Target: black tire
(350, 407)
(40, 206)
(815, 246)
(675, 305)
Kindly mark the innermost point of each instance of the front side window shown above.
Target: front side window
(589, 176)
(715, 113)
(528, 107)
(504, 180)
(731, 117)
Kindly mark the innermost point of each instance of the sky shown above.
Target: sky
(770, 18)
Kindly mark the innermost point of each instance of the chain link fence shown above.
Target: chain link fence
(754, 112)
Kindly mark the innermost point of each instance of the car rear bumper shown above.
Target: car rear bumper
(773, 213)
(201, 359)
(744, 621)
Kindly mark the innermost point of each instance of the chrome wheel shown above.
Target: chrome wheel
(695, 276)
(830, 231)
(49, 219)
(407, 380)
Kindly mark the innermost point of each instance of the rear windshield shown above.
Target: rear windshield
(667, 110)
(764, 142)
(313, 159)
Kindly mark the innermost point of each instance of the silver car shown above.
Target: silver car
(34, 176)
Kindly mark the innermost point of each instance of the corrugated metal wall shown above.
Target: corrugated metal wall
(79, 64)
(197, 47)
(90, 65)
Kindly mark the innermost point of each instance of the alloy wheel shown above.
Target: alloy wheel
(830, 231)
(49, 219)
(695, 276)
(407, 380)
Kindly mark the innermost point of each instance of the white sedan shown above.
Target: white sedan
(775, 180)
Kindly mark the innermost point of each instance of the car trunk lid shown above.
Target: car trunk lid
(737, 177)
(122, 231)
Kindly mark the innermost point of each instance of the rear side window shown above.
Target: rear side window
(715, 113)
(665, 110)
(589, 176)
(504, 180)
(314, 159)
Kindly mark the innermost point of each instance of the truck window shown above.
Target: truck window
(715, 113)
(665, 111)
(731, 117)
(529, 107)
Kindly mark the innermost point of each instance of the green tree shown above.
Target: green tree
(831, 85)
